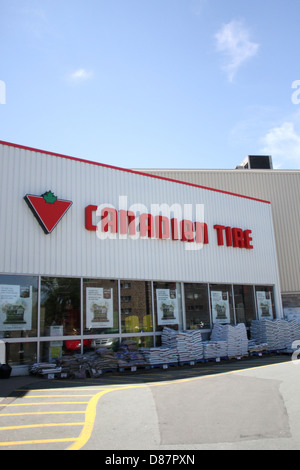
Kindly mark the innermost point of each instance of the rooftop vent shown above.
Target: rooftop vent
(256, 162)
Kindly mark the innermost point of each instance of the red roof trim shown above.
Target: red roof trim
(9, 144)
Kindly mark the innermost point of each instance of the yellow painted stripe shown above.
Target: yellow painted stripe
(42, 425)
(42, 413)
(39, 441)
(90, 416)
(55, 396)
(98, 389)
(49, 403)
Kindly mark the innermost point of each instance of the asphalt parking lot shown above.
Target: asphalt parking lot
(248, 404)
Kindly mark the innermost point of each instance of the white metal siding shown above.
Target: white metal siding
(73, 251)
(281, 188)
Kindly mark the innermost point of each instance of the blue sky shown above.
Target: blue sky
(152, 83)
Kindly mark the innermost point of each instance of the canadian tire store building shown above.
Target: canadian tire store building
(92, 255)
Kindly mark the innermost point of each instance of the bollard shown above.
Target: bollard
(5, 369)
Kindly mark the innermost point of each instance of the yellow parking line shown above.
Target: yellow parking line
(42, 413)
(56, 396)
(42, 425)
(40, 441)
(90, 416)
(49, 403)
(84, 389)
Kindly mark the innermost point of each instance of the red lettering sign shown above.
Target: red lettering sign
(89, 210)
(234, 237)
(162, 228)
(109, 220)
(146, 226)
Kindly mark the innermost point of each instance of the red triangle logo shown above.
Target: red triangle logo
(47, 209)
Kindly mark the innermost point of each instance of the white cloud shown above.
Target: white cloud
(234, 42)
(283, 143)
(81, 75)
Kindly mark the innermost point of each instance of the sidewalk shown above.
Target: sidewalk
(8, 386)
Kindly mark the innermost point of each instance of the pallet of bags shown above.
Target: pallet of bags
(91, 364)
(258, 332)
(169, 338)
(238, 341)
(45, 369)
(70, 365)
(235, 337)
(189, 346)
(214, 349)
(129, 355)
(271, 332)
(279, 334)
(197, 341)
(257, 348)
(184, 347)
(107, 359)
(160, 356)
(294, 334)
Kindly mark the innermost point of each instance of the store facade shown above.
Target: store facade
(280, 187)
(91, 254)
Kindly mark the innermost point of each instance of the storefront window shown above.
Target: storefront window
(52, 350)
(19, 354)
(168, 305)
(196, 306)
(291, 306)
(221, 304)
(244, 304)
(18, 306)
(100, 307)
(136, 307)
(60, 306)
(265, 302)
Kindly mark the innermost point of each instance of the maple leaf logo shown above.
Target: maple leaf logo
(49, 197)
(48, 209)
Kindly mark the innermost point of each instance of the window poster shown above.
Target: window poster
(264, 305)
(99, 307)
(220, 307)
(167, 307)
(15, 308)
(55, 349)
